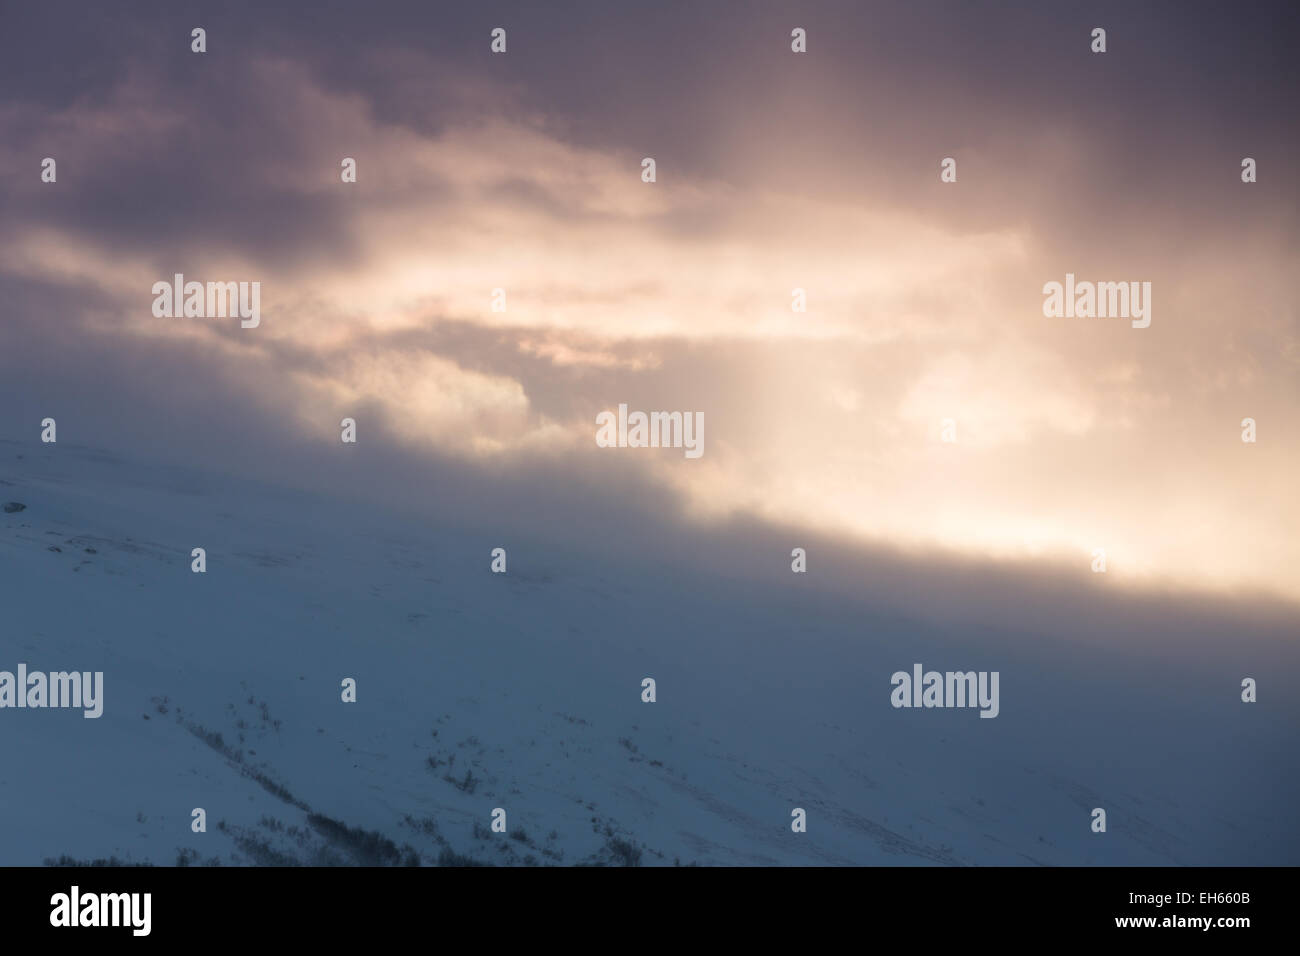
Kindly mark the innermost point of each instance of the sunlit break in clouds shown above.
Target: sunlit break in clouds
(844, 269)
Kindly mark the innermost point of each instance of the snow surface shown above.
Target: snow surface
(769, 698)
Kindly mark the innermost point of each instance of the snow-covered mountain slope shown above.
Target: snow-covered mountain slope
(523, 691)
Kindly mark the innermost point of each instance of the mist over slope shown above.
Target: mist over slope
(522, 691)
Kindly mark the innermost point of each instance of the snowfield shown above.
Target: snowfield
(523, 691)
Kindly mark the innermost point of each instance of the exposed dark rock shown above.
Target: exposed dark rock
(14, 506)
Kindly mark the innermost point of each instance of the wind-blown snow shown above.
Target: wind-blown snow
(769, 698)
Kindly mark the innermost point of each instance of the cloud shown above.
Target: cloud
(923, 304)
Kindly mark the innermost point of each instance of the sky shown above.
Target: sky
(775, 170)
